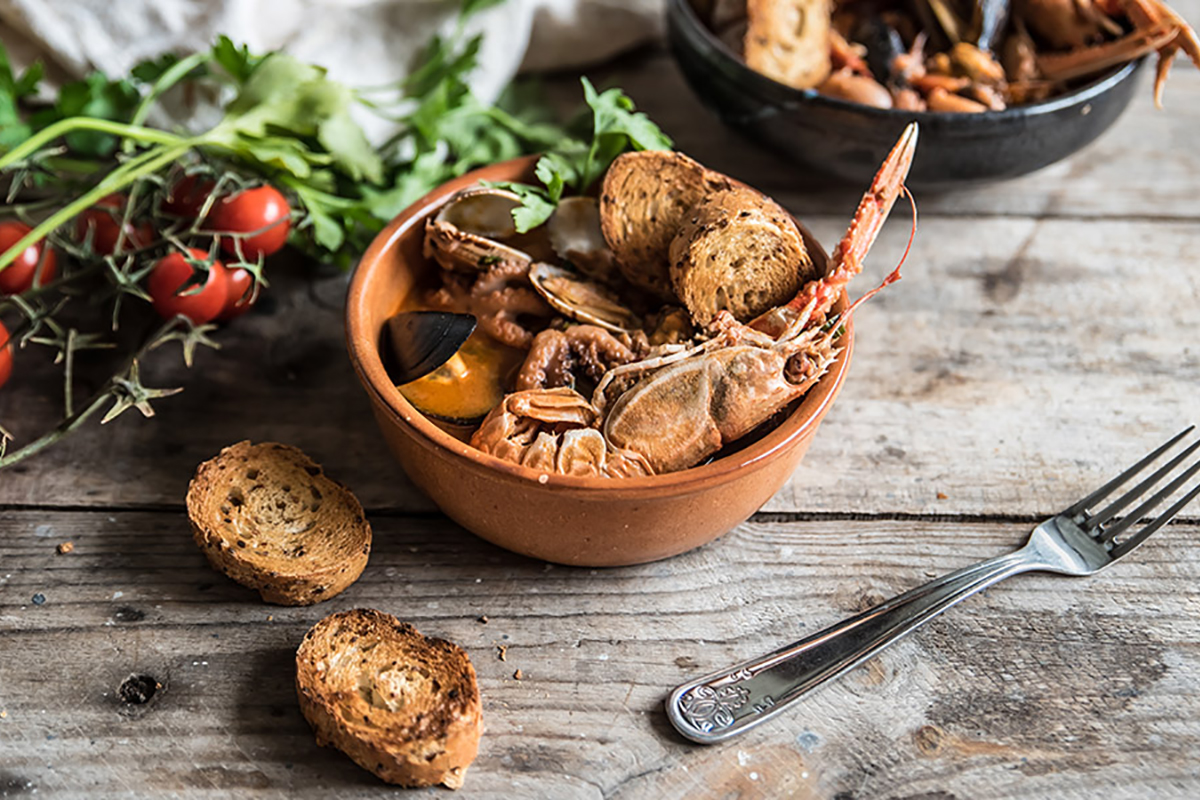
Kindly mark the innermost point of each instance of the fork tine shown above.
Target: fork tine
(1099, 518)
(1106, 489)
(1163, 519)
(1149, 505)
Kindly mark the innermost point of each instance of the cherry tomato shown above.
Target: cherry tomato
(168, 278)
(252, 210)
(18, 276)
(239, 296)
(104, 221)
(188, 196)
(5, 355)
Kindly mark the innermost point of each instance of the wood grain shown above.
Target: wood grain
(1042, 686)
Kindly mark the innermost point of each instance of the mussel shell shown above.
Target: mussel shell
(582, 300)
(989, 22)
(415, 343)
(883, 44)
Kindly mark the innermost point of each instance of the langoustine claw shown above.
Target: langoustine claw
(1156, 28)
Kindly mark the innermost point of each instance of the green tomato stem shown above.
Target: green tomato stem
(62, 429)
(165, 82)
(65, 126)
(119, 178)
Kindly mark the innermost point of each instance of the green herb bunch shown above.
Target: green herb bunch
(286, 125)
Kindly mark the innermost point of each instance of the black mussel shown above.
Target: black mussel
(883, 44)
(415, 343)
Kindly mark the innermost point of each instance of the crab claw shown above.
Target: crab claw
(817, 297)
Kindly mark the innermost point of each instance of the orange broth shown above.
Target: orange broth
(470, 384)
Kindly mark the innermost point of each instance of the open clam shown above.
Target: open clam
(582, 300)
(575, 235)
(466, 234)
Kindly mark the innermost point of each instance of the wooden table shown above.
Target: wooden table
(1047, 331)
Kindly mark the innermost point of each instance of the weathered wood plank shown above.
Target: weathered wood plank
(1019, 364)
(1041, 687)
(1016, 366)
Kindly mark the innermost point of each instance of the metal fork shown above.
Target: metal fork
(1074, 542)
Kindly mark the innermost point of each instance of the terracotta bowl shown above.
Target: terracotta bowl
(569, 520)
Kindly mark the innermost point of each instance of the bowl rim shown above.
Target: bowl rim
(791, 96)
(364, 355)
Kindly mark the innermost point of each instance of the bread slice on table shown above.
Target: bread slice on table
(403, 706)
(267, 516)
(788, 40)
(644, 199)
(740, 251)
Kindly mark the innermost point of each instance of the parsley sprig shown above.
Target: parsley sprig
(576, 164)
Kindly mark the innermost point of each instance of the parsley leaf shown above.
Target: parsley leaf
(284, 95)
(470, 7)
(536, 204)
(616, 127)
(234, 60)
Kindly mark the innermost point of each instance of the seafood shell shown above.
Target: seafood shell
(574, 231)
(482, 211)
(463, 236)
(582, 300)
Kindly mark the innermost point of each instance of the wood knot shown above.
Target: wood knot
(929, 740)
(137, 690)
(128, 614)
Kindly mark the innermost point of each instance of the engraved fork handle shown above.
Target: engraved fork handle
(725, 703)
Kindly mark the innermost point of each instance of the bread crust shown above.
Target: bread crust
(403, 706)
(788, 40)
(267, 516)
(644, 198)
(740, 251)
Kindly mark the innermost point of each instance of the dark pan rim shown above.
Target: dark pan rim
(781, 95)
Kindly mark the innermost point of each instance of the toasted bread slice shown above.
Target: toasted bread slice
(738, 251)
(644, 199)
(401, 705)
(269, 518)
(788, 40)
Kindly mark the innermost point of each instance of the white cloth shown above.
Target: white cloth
(361, 42)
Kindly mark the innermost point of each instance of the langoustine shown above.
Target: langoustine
(682, 404)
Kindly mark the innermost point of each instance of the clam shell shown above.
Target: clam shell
(463, 236)
(574, 232)
(482, 211)
(582, 300)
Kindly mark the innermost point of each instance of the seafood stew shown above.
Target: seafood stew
(622, 380)
(951, 55)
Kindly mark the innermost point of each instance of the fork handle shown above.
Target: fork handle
(725, 703)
